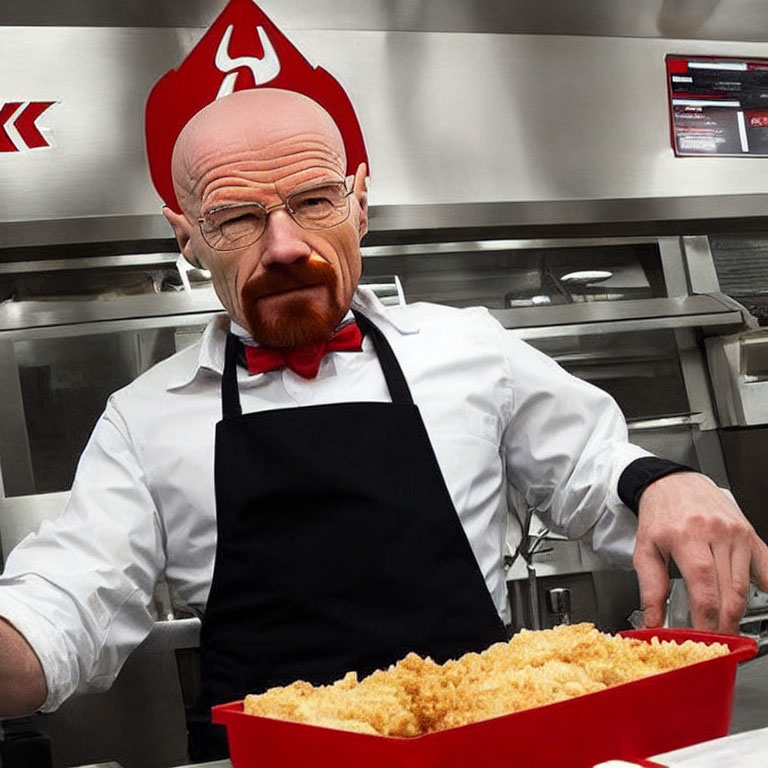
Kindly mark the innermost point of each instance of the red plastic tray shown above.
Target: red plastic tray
(646, 717)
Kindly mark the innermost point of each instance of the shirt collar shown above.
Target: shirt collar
(210, 356)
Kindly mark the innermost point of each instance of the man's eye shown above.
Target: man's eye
(235, 218)
(236, 224)
(318, 204)
(315, 201)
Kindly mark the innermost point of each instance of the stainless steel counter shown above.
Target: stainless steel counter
(742, 750)
(750, 708)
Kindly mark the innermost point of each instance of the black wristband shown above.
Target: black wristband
(638, 475)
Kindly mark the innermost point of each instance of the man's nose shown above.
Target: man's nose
(283, 240)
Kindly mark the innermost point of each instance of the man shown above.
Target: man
(354, 502)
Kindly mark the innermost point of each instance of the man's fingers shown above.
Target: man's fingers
(699, 571)
(759, 568)
(732, 568)
(684, 516)
(653, 579)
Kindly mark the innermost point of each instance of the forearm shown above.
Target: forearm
(22, 681)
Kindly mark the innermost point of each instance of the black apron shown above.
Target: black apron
(338, 548)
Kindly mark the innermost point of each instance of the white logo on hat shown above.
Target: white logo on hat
(264, 69)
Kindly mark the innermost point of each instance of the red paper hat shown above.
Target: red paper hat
(242, 49)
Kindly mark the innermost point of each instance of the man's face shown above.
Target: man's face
(292, 286)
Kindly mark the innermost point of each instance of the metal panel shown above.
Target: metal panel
(22, 515)
(698, 260)
(672, 264)
(562, 130)
(59, 265)
(694, 368)
(35, 314)
(99, 80)
(16, 475)
(629, 326)
(485, 245)
(744, 451)
(703, 19)
(603, 217)
(187, 324)
(742, 398)
(66, 374)
(663, 313)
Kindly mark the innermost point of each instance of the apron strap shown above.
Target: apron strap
(393, 374)
(230, 397)
(396, 383)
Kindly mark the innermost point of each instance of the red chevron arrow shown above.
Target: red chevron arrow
(6, 145)
(24, 124)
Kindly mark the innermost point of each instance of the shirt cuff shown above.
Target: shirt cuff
(638, 475)
(47, 645)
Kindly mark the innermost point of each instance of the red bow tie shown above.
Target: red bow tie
(303, 360)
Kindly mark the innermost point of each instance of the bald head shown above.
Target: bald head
(292, 283)
(254, 130)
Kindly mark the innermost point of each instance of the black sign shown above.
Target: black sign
(718, 106)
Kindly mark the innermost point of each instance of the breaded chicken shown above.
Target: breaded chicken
(417, 696)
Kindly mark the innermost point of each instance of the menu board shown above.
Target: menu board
(718, 106)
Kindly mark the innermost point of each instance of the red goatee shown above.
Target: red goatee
(299, 321)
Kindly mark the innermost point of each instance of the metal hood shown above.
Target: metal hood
(482, 119)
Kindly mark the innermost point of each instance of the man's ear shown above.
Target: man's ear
(183, 231)
(360, 189)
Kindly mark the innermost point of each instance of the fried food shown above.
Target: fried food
(416, 696)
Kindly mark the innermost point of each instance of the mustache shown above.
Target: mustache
(288, 277)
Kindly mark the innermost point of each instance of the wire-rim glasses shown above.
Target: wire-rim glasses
(237, 226)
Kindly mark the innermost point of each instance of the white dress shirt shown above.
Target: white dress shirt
(142, 504)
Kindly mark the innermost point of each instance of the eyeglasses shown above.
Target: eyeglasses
(237, 226)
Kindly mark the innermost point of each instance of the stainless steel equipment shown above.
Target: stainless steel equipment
(738, 365)
(559, 604)
(738, 368)
(72, 332)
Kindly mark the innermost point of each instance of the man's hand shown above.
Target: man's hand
(686, 517)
